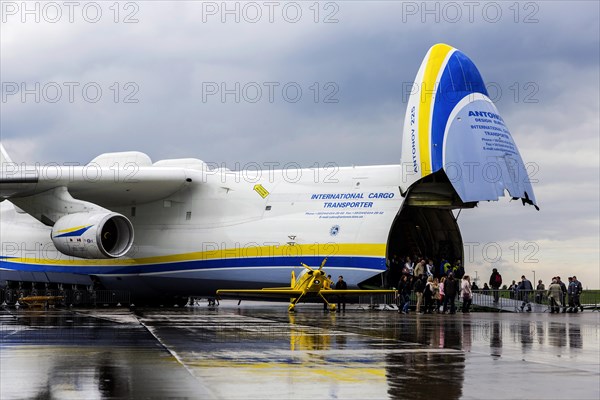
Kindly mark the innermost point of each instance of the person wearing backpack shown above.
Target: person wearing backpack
(525, 288)
(495, 283)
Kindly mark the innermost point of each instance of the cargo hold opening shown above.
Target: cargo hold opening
(425, 232)
(425, 226)
(421, 232)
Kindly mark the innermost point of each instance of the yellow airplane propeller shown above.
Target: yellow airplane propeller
(310, 269)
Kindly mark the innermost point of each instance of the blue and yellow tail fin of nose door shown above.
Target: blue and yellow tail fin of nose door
(452, 125)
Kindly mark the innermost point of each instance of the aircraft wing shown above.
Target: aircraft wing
(128, 180)
(272, 293)
(110, 180)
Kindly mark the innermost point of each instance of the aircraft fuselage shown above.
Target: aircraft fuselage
(229, 229)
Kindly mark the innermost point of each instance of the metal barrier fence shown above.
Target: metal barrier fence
(534, 300)
(489, 300)
(493, 300)
(10, 297)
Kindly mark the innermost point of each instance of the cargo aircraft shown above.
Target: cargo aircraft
(176, 228)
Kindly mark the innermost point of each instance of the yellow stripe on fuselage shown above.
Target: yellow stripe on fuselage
(437, 56)
(298, 250)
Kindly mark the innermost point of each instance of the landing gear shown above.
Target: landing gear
(331, 306)
(77, 297)
(293, 302)
(10, 297)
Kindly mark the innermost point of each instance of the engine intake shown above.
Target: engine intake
(93, 235)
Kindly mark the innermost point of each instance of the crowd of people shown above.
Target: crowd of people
(558, 293)
(414, 266)
(436, 288)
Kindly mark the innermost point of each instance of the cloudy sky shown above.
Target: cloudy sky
(313, 83)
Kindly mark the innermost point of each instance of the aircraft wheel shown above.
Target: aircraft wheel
(63, 302)
(10, 297)
(21, 293)
(77, 298)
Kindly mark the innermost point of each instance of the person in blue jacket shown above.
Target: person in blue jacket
(525, 289)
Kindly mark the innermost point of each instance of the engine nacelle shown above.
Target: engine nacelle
(93, 235)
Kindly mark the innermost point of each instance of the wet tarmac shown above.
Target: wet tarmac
(259, 351)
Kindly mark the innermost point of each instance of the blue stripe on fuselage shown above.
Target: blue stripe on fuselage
(374, 263)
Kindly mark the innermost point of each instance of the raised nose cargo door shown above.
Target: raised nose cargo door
(452, 128)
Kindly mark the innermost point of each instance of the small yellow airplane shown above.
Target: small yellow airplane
(310, 282)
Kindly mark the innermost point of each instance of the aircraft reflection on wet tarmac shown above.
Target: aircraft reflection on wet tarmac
(259, 350)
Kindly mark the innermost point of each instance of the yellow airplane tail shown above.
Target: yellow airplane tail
(293, 283)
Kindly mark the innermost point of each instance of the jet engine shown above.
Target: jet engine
(93, 235)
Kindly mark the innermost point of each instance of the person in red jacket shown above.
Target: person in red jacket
(495, 283)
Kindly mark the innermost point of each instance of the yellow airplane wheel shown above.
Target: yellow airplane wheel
(332, 307)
